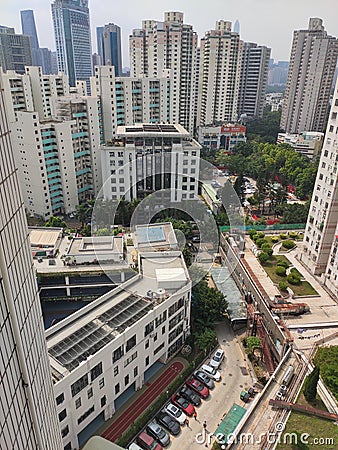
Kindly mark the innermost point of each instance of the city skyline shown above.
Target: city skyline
(275, 34)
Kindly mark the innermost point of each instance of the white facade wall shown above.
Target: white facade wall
(320, 242)
(118, 375)
(17, 93)
(127, 163)
(27, 409)
(219, 77)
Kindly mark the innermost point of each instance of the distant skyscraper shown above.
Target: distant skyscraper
(72, 38)
(237, 27)
(312, 64)
(220, 60)
(15, 50)
(29, 29)
(27, 409)
(54, 62)
(171, 44)
(254, 78)
(109, 46)
(46, 60)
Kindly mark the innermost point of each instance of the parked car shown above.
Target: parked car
(183, 403)
(190, 395)
(203, 377)
(157, 432)
(216, 360)
(211, 372)
(244, 396)
(176, 413)
(198, 387)
(279, 395)
(134, 446)
(283, 388)
(147, 442)
(168, 423)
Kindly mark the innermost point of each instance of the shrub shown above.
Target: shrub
(263, 257)
(282, 236)
(293, 279)
(259, 235)
(288, 244)
(283, 263)
(252, 233)
(275, 239)
(294, 271)
(281, 271)
(283, 286)
(267, 249)
(292, 235)
(260, 242)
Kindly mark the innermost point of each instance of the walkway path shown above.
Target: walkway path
(140, 404)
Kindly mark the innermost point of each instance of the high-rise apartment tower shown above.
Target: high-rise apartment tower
(312, 64)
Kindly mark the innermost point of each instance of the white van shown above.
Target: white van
(134, 446)
(211, 372)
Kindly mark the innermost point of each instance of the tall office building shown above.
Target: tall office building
(46, 60)
(109, 46)
(27, 408)
(312, 64)
(320, 245)
(72, 39)
(171, 44)
(254, 78)
(29, 29)
(220, 64)
(15, 50)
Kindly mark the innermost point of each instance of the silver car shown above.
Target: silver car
(203, 378)
(158, 433)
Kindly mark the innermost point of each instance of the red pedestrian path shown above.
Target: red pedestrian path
(139, 406)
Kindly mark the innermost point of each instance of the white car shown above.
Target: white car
(211, 372)
(176, 413)
(216, 360)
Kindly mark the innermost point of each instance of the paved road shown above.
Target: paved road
(235, 378)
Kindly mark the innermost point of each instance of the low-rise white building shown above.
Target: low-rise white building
(222, 136)
(149, 157)
(83, 250)
(308, 143)
(106, 351)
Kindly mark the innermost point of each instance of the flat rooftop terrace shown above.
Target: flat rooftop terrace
(93, 245)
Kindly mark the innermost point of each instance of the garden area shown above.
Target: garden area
(326, 365)
(278, 267)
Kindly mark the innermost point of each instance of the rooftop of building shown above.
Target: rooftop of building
(95, 244)
(44, 237)
(87, 331)
(157, 236)
(151, 129)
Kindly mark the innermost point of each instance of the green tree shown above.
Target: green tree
(56, 222)
(253, 342)
(310, 385)
(206, 339)
(209, 305)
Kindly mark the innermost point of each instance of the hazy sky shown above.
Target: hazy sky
(267, 22)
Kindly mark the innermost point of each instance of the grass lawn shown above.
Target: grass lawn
(304, 288)
(315, 427)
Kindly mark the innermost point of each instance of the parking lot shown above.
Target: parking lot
(235, 378)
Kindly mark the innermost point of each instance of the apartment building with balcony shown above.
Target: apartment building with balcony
(130, 100)
(219, 77)
(103, 353)
(54, 164)
(145, 158)
(170, 44)
(313, 61)
(32, 91)
(320, 245)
